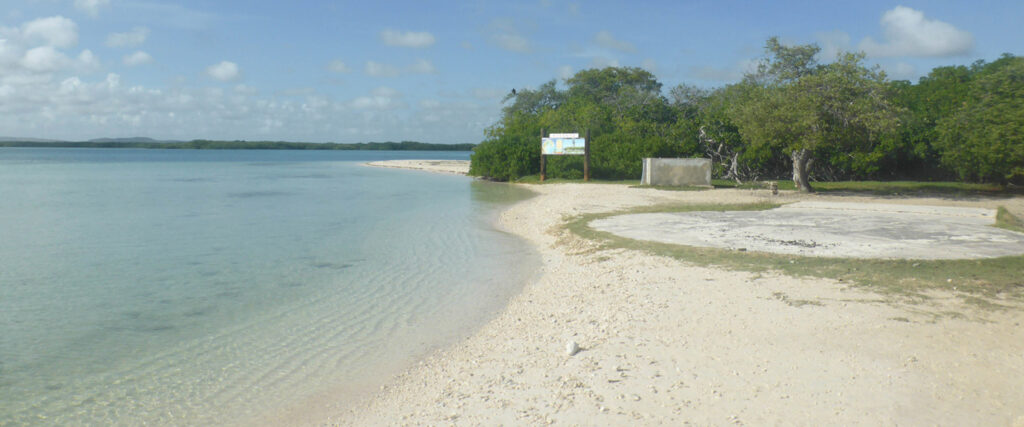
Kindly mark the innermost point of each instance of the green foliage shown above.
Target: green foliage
(984, 140)
(838, 111)
(1006, 220)
(510, 152)
(794, 117)
(532, 102)
(622, 107)
(618, 87)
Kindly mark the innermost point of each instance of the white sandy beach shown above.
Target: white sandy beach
(457, 167)
(666, 342)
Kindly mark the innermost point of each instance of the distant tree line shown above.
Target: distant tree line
(203, 144)
(791, 118)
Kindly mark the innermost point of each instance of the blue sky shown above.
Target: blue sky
(352, 71)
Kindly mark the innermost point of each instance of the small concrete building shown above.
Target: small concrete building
(676, 172)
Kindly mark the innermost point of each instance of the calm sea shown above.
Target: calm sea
(212, 287)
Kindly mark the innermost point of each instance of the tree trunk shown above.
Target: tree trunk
(801, 169)
(734, 168)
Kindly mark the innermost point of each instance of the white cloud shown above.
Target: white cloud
(649, 65)
(77, 108)
(338, 66)
(564, 72)
(489, 94)
(386, 92)
(44, 59)
(224, 71)
(245, 90)
(407, 39)
(607, 41)
(901, 71)
(56, 31)
(512, 42)
(832, 43)
(506, 34)
(908, 32)
(92, 7)
(602, 62)
(137, 58)
(47, 92)
(371, 102)
(376, 69)
(87, 61)
(299, 91)
(422, 66)
(724, 75)
(136, 37)
(9, 54)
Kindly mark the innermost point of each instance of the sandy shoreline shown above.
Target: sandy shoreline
(456, 167)
(665, 342)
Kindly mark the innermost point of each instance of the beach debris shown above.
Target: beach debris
(571, 348)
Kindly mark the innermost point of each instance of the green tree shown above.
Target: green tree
(805, 110)
(534, 102)
(984, 139)
(622, 107)
(621, 87)
(511, 150)
(704, 122)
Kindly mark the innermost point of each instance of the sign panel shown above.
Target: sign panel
(562, 146)
(564, 135)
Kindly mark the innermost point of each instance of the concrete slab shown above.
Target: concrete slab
(838, 230)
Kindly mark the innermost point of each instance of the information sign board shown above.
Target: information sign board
(552, 146)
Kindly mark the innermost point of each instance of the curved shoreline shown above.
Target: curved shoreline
(668, 342)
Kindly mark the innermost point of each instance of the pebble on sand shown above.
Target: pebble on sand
(571, 348)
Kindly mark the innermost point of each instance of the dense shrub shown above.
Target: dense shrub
(984, 140)
(958, 121)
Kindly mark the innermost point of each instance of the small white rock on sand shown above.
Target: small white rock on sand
(667, 342)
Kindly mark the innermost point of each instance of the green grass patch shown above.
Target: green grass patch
(977, 281)
(879, 188)
(1006, 220)
(888, 188)
(751, 185)
(535, 179)
(794, 302)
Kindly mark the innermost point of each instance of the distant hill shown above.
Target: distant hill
(20, 139)
(134, 139)
(204, 144)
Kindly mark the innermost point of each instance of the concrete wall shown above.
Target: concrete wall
(676, 172)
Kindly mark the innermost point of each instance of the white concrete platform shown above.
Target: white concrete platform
(825, 229)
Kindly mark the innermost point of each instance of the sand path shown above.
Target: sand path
(665, 342)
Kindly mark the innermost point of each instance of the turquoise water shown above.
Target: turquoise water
(212, 287)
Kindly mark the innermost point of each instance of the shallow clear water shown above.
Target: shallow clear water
(207, 287)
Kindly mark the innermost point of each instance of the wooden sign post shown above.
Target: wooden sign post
(542, 168)
(586, 158)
